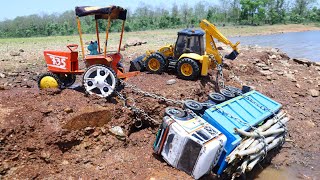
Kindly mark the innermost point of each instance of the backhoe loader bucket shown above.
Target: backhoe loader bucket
(232, 55)
(137, 64)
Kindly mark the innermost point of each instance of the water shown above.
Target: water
(296, 44)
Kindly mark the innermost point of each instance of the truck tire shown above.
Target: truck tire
(188, 69)
(174, 111)
(217, 97)
(227, 94)
(194, 106)
(155, 63)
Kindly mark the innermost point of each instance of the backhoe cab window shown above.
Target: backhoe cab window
(189, 44)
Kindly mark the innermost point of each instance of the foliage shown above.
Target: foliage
(248, 12)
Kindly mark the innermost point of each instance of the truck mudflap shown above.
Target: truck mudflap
(251, 126)
(137, 64)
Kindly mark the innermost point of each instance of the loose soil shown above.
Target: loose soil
(65, 134)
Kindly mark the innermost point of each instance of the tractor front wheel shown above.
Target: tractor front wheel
(155, 63)
(188, 69)
(49, 80)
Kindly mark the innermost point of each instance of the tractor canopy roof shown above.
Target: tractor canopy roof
(115, 12)
(191, 32)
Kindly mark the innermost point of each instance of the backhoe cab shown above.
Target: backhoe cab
(190, 57)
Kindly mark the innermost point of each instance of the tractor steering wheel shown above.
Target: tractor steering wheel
(72, 47)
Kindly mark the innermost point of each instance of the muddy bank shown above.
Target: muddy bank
(59, 134)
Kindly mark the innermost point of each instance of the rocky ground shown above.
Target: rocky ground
(67, 134)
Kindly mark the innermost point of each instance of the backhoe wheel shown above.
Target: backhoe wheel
(67, 80)
(188, 69)
(100, 80)
(49, 80)
(155, 63)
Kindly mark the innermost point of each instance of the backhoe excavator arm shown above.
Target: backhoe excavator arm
(213, 33)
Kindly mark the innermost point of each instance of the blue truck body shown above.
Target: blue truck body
(250, 109)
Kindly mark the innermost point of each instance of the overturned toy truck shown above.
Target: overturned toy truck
(228, 137)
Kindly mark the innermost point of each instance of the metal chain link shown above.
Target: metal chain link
(137, 111)
(219, 77)
(152, 95)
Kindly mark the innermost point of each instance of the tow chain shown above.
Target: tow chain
(219, 77)
(152, 95)
(139, 113)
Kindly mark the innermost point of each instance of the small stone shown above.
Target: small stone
(45, 155)
(310, 81)
(303, 61)
(316, 63)
(294, 95)
(171, 81)
(269, 78)
(266, 73)
(2, 87)
(273, 57)
(314, 92)
(2, 75)
(118, 132)
(14, 53)
(21, 50)
(68, 110)
(280, 73)
(265, 68)
(13, 74)
(298, 86)
(88, 130)
(261, 64)
(65, 162)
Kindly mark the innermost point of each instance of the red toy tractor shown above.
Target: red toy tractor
(103, 70)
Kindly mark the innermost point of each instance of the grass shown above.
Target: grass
(34, 47)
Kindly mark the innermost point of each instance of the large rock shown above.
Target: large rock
(314, 92)
(302, 61)
(316, 63)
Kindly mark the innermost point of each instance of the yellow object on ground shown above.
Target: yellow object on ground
(48, 82)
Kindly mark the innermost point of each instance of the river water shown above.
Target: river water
(295, 44)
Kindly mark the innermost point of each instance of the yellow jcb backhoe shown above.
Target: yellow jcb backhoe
(188, 57)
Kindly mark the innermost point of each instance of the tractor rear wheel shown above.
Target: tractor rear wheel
(188, 69)
(100, 80)
(155, 63)
(49, 80)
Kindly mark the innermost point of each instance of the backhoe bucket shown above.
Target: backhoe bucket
(232, 55)
(137, 64)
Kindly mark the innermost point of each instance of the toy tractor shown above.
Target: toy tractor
(190, 57)
(102, 69)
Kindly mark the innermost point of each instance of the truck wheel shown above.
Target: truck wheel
(100, 80)
(227, 94)
(188, 69)
(234, 90)
(194, 106)
(155, 63)
(216, 97)
(67, 80)
(49, 80)
(174, 111)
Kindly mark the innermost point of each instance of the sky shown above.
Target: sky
(13, 8)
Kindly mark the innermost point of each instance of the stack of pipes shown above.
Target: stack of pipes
(257, 143)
